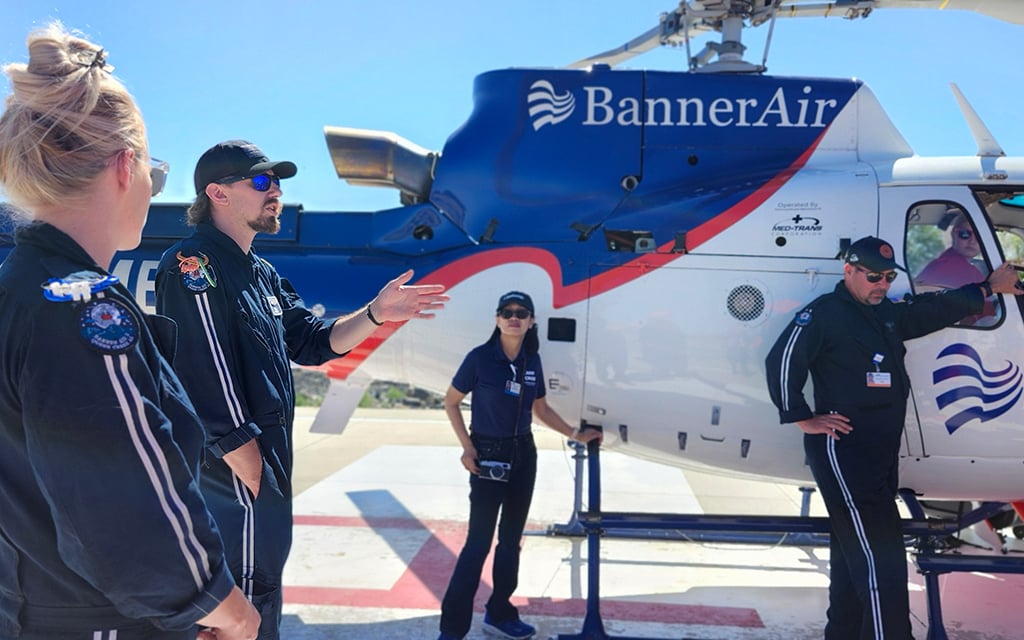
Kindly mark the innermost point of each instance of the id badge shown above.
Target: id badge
(879, 379)
(275, 306)
(512, 387)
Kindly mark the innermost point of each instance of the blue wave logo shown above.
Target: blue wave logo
(547, 106)
(980, 394)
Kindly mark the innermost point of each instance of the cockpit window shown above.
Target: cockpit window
(945, 251)
(1004, 212)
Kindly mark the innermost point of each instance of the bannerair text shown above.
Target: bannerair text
(603, 109)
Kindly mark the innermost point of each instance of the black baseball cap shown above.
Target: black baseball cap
(517, 297)
(872, 253)
(237, 159)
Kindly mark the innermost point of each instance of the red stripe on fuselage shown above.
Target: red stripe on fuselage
(565, 295)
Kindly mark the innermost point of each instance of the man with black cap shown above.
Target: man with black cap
(850, 341)
(240, 324)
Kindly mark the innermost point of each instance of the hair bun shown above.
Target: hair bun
(66, 116)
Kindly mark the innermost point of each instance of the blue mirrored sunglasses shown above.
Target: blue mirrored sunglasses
(261, 182)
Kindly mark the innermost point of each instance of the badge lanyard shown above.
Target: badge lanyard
(514, 387)
(879, 378)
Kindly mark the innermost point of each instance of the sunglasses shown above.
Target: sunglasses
(158, 174)
(875, 276)
(522, 314)
(964, 234)
(261, 182)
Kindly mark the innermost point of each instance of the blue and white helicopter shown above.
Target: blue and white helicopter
(668, 224)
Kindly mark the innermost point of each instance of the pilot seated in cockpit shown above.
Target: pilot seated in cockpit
(955, 267)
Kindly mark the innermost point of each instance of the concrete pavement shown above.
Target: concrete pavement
(380, 516)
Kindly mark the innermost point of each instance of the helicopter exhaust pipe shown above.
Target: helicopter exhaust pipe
(364, 157)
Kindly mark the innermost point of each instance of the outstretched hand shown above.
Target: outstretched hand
(398, 302)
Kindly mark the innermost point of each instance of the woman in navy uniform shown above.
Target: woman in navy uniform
(104, 534)
(507, 382)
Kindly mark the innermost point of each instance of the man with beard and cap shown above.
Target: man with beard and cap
(242, 327)
(850, 342)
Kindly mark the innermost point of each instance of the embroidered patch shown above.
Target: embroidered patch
(803, 318)
(196, 272)
(76, 286)
(108, 326)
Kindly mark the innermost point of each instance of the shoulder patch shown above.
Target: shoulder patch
(803, 318)
(196, 272)
(76, 286)
(108, 326)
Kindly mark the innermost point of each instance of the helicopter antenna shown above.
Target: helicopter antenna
(987, 145)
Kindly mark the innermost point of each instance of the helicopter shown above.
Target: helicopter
(622, 199)
(668, 225)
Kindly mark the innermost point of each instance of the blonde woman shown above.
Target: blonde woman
(103, 534)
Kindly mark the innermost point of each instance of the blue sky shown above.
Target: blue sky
(205, 71)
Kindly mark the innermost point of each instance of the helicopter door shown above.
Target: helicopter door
(966, 380)
(675, 361)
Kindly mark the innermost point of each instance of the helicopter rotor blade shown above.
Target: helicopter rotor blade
(692, 17)
(1012, 12)
(643, 43)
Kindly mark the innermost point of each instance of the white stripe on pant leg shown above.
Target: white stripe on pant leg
(858, 525)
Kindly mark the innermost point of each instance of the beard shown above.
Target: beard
(267, 223)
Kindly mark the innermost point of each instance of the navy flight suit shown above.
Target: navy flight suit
(238, 329)
(104, 534)
(838, 341)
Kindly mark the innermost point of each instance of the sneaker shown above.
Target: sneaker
(511, 629)
(447, 636)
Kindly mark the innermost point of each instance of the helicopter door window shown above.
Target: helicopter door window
(1005, 210)
(945, 252)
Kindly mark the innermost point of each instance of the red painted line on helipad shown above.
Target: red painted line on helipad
(422, 584)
